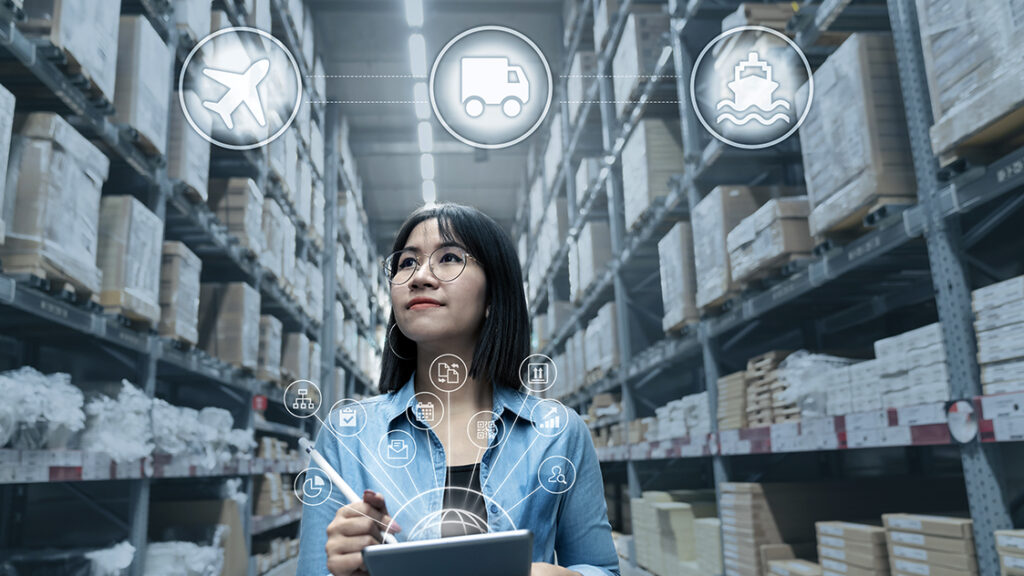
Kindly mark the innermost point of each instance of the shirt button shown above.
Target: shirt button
(494, 509)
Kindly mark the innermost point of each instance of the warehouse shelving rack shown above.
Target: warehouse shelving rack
(913, 259)
(36, 318)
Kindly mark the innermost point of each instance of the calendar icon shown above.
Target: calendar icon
(425, 411)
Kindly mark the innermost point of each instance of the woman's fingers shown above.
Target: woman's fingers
(345, 564)
(361, 525)
(377, 502)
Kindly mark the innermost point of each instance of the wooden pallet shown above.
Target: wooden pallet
(775, 270)
(859, 222)
(40, 273)
(682, 327)
(134, 310)
(67, 63)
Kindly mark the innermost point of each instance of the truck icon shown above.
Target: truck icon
(492, 81)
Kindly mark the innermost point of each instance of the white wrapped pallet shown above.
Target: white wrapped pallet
(128, 253)
(536, 203)
(314, 291)
(606, 334)
(339, 324)
(272, 253)
(229, 322)
(678, 277)
(972, 61)
(179, 293)
(86, 31)
(53, 213)
(318, 209)
(316, 149)
(268, 366)
(594, 247)
(777, 233)
(192, 18)
(575, 282)
(188, 153)
(295, 356)
(854, 141)
(303, 195)
(637, 55)
(582, 75)
(553, 152)
(712, 219)
(6, 129)
(650, 158)
(238, 204)
(586, 176)
(143, 91)
(315, 361)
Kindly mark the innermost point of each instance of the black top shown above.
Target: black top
(465, 512)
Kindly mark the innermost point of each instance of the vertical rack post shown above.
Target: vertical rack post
(981, 464)
(329, 331)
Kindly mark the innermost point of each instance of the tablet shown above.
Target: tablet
(495, 554)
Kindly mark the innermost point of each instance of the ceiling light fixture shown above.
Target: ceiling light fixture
(429, 192)
(425, 135)
(427, 166)
(414, 13)
(418, 55)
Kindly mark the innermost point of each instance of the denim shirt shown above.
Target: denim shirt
(572, 525)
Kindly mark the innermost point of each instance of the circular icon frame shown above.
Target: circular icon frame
(300, 398)
(182, 91)
(696, 70)
(301, 494)
(547, 360)
(541, 480)
(504, 105)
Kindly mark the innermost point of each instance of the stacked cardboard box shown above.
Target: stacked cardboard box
(650, 158)
(553, 151)
(587, 175)
(85, 31)
(678, 278)
(188, 153)
(273, 495)
(713, 218)
(854, 140)
(912, 366)
(129, 256)
(732, 401)
(770, 15)
(708, 533)
(192, 18)
(6, 128)
(932, 545)
(852, 549)
(280, 150)
(774, 235)
(272, 254)
(269, 358)
(295, 356)
(1010, 545)
(637, 55)
(143, 91)
(229, 322)
(999, 325)
(602, 342)
(582, 75)
(687, 416)
(315, 361)
(238, 204)
(793, 568)
(764, 389)
(536, 196)
(972, 63)
(594, 247)
(53, 213)
(179, 293)
(663, 527)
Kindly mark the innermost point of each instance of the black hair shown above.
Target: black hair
(505, 336)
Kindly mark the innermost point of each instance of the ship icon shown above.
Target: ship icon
(752, 87)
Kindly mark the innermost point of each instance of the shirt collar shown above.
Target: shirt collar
(504, 400)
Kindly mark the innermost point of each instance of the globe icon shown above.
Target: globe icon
(446, 523)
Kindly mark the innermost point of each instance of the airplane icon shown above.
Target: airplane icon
(241, 89)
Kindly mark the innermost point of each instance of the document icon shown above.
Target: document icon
(398, 449)
(447, 373)
(347, 418)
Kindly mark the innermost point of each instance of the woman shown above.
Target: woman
(456, 293)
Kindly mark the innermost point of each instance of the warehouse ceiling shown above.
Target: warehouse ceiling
(370, 38)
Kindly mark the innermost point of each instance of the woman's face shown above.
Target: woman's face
(430, 311)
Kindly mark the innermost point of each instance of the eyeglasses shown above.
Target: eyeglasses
(446, 264)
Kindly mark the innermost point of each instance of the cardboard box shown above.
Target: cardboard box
(53, 214)
(1010, 541)
(964, 562)
(773, 235)
(637, 54)
(143, 90)
(650, 157)
(6, 128)
(129, 256)
(855, 146)
(273, 230)
(851, 532)
(1011, 564)
(793, 568)
(229, 321)
(582, 75)
(832, 566)
(904, 566)
(945, 526)
(678, 277)
(870, 560)
(594, 247)
(192, 18)
(998, 294)
(179, 292)
(188, 153)
(269, 359)
(238, 204)
(295, 356)
(85, 30)
(199, 516)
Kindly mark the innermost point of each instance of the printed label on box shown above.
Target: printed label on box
(905, 523)
(831, 529)
(912, 553)
(924, 414)
(833, 553)
(833, 565)
(831, 541)
(1013, 561)
(1005, 405)
(906, 537)
(1008, 429)
(1007, 541)
(867, 420)
(911, 567)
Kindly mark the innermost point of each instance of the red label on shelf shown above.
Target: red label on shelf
(259, 403)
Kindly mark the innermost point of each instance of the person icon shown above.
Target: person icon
(557, 475)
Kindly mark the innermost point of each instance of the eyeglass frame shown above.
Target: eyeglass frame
(430, 267)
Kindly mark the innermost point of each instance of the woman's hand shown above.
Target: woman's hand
(545, 569)
(355, 527)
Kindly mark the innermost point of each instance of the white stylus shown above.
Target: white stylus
(336, 479)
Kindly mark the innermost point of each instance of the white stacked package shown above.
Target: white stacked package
(143, 91)
(536, 196)
(708, 535)
(553, 151)
(999, 327)
(854, 140)
(192, 17)
(53, 214)
(238, 203)
(637, 55)
(6, 129)
(777, 233)
(268, 365)
(86, 30)
(128, 253)
(587, 175)
(594, 247)
(650, 158)
(678, 277)
(972, 61)
(712, 219)
(582, 75)
(188, 153)
(272, 254)
(912, 366)
(40, 411)
(180, 270)
(602, 341)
